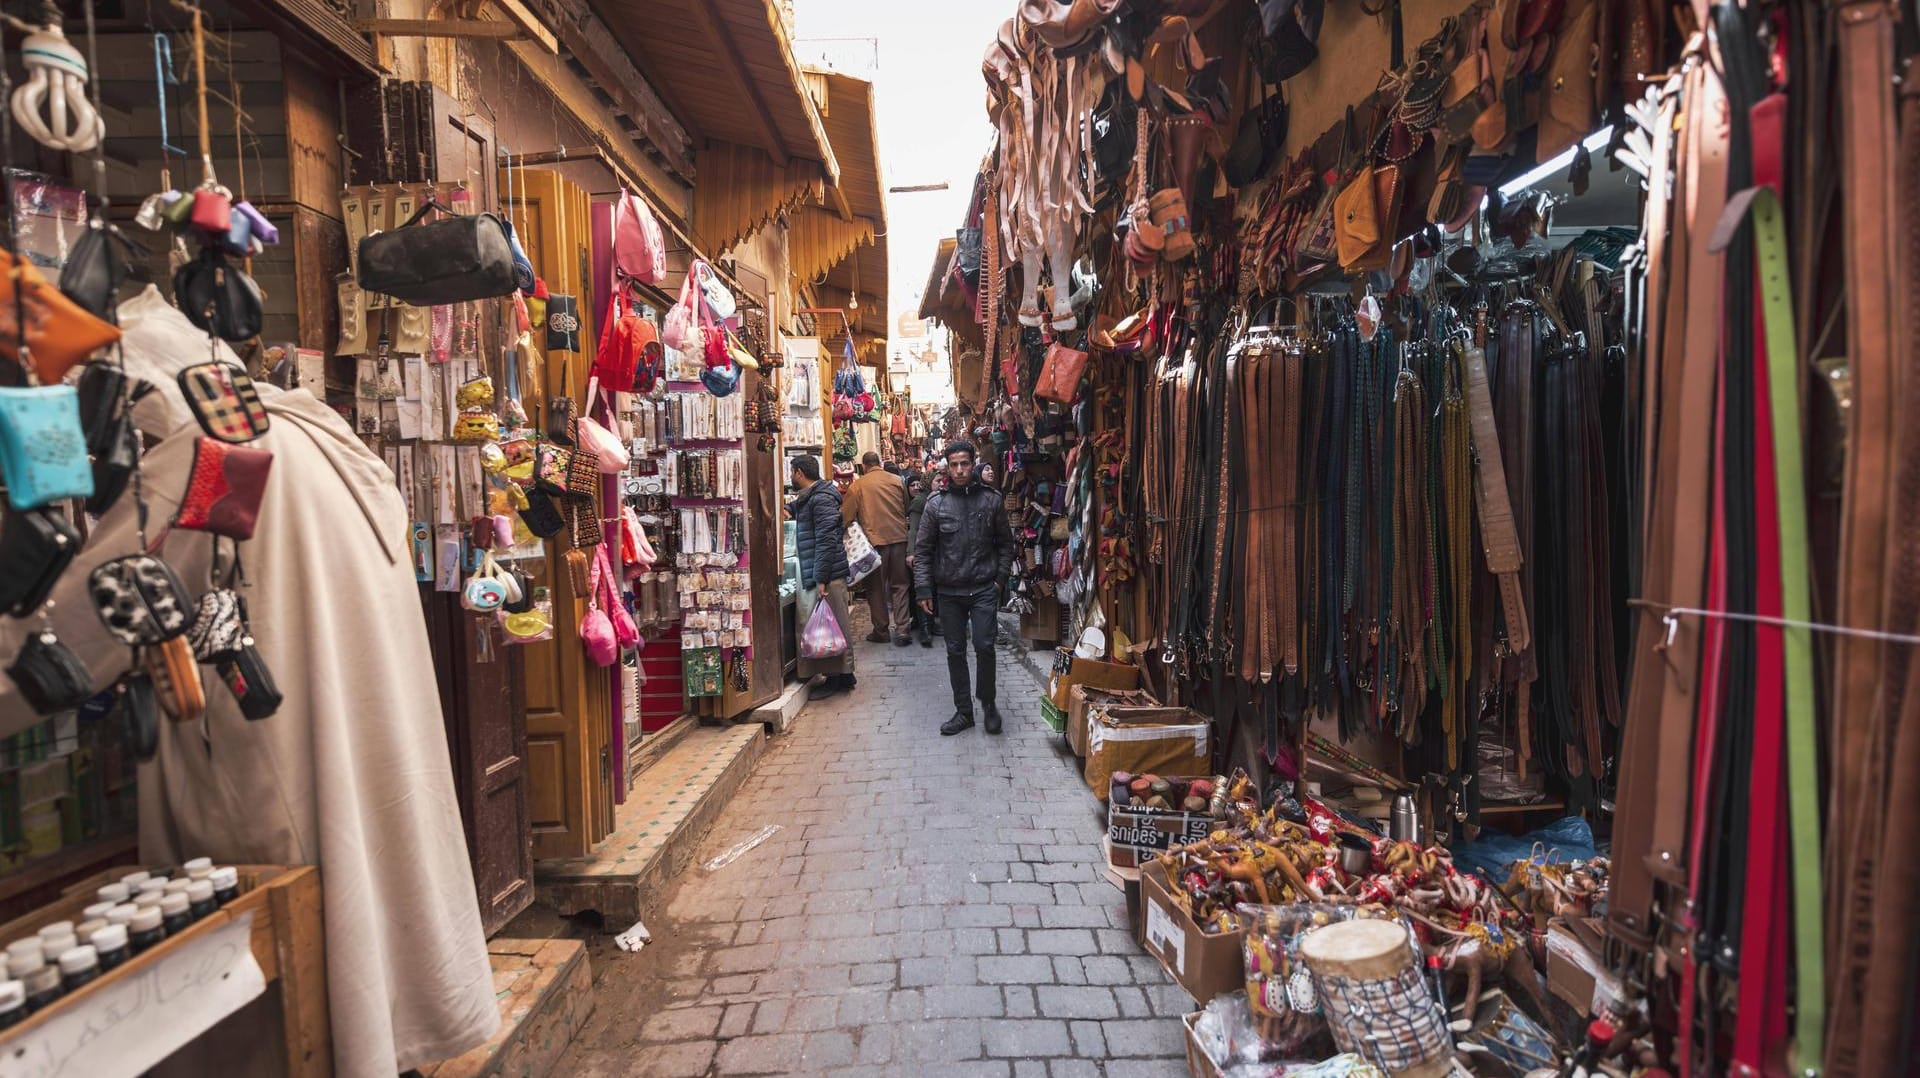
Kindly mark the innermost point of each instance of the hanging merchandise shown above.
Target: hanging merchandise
(454, 259)
(57, 77)
(639, 248)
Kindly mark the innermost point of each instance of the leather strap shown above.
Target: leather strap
(1863, 31)
(1499, 539)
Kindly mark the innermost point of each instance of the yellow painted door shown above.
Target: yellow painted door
(568, 699)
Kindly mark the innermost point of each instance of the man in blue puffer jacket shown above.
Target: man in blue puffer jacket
(822, 547)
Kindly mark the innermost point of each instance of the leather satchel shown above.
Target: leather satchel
(1061, 374)
(1567, 107)
(49, 675)
(43, 453)
(36, 546)
(218, 297)
(459, 258)
(224, 489)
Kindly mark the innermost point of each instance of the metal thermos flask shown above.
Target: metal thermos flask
(1405, 824)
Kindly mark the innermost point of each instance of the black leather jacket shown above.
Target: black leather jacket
(965, 542)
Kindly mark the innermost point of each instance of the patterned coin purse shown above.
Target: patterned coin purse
(224, 489)
(140, 600)
(225, 401)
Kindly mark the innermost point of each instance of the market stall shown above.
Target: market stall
(1440, 435)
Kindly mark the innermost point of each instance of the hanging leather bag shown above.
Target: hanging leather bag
(459, 258)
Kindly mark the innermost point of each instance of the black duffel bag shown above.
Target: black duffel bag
(458, 258)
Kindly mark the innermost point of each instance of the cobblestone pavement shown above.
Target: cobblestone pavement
(930, 906)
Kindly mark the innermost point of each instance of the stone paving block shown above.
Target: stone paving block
(950, 969)
(760, 1054)
(1025, 1038)
(1072, 1068)
(737, 1020)
(1159, 1038)
(1146, 1068)
(828, 1048)
(1088, 1040)
(1107, 969)
(1067, 970)
(964, 1001)
(1059, 1001)
(683, 1024)
(1016, 969)
(938, 1040)
(1073, 917)
(1070, 941)
(1020, 1002)
(1030, 1068)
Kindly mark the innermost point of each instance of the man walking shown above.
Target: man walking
(822, 545)
(963, 554)
(878, 501)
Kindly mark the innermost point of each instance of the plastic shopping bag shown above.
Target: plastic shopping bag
(822, 638)
(862, 558)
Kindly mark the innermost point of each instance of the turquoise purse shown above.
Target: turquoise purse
(43, 451)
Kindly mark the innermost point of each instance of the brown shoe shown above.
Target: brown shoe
(878, 636)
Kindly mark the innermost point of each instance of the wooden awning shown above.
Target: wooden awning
(945, 302)
(741, 190)
(840, 246)
(726, 70)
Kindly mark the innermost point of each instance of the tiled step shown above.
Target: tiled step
(668, 810)
(545, 989)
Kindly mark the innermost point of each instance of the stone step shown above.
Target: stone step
(669, 809)
(545, 989)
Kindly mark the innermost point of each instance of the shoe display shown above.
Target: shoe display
(993, 719)
(961, 721)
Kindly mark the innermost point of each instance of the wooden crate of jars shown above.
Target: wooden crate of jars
(287, 940)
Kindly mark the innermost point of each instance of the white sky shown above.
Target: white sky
(932, 111)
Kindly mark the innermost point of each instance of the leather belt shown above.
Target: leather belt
(1860, 743)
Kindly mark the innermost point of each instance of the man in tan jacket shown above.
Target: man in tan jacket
(878, 501)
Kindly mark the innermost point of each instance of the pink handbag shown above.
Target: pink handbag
(682, 329)
(625, 633)
(596, 629)
(639, 249)
(609, 452)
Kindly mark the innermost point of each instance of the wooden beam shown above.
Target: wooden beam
(591, 41)
(723, 41)
(463, 28)
(602, 126)
(517, 13)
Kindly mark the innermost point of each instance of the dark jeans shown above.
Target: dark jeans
(960, 614)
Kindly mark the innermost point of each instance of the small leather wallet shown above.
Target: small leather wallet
(50, 675)
(224, 489)
(251, 683)
(224, 400)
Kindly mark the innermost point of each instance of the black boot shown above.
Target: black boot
(926, 639)
(962, 720)
(993, 717)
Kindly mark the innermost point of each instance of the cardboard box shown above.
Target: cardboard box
(1083, 698)
(1135, 835)
(1098, 673)
(1205, 963)
(1145, 740)
(1199, 1063)
(1128, 881)
(1576, 972)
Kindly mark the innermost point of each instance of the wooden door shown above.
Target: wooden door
(568, 700)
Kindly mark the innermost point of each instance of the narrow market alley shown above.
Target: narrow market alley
(929, 906)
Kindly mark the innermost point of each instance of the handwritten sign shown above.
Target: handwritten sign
(1166, 937)
(133, 1021)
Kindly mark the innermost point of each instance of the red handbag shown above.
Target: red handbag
(225, 488)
